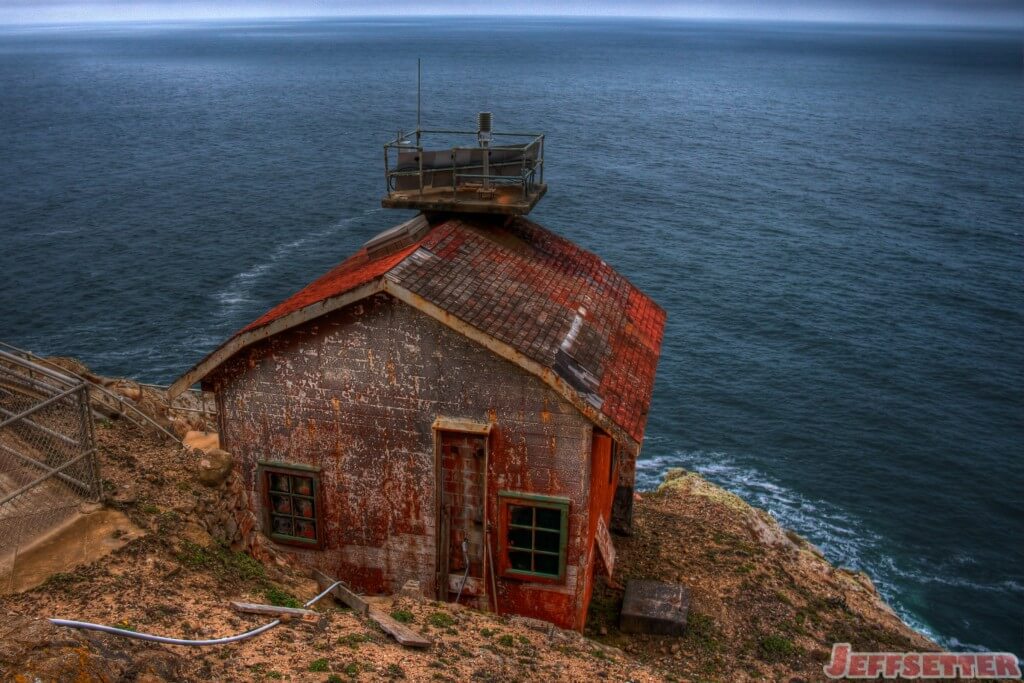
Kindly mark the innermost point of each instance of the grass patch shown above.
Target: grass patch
(61, 579)
(318, 664)
(487, 632)
(352, 669)
(394, 671)
(403, 616)
(222, 562)
(776, 648)
(701, 634)
(506, 641)
(279, 598)
(441, 620)
(353, 640)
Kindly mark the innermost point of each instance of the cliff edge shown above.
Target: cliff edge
(765, 604)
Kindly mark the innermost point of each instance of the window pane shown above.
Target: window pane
(520, 538)
(549, 518)
(546, 564)
(282, 504)
(305, 529)
(302, 485)
(519, 560)
(517, 514)
(547, 540)
(303, 507)
(282, 525)
(278, 482)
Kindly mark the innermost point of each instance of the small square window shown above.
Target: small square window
(534, 535)
(291, 504)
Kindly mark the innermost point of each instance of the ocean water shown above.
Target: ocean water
(832, 217)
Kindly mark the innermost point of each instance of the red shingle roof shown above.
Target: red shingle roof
(549, 300)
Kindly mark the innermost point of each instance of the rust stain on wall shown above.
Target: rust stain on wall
(366, 383)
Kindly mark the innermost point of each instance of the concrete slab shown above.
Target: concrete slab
(654, 607)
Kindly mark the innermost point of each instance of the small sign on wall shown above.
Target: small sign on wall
(605, 547)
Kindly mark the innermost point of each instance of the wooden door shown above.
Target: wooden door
(463, 467)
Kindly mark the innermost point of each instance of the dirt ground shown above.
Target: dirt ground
(765, 605)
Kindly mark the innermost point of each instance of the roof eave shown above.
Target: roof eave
(244, 339)
(382, 284)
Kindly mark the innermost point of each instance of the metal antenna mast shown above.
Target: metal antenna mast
(418, 71)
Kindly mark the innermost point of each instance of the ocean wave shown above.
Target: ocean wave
(239, 289)
(845, 540)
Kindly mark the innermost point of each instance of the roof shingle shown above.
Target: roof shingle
(518, 283)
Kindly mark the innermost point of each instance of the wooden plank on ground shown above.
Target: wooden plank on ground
(341, 594)
(399, 631)
(275, 611)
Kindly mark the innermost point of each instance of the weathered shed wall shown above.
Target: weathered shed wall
(356, 393)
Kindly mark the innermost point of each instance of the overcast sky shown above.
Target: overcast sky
(1008, 13)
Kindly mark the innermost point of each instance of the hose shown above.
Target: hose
(153, 638)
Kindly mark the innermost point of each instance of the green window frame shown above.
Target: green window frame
(534, 536)
(292, 504)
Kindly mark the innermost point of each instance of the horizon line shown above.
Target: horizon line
(834, 21)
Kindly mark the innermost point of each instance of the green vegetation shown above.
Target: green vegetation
(318, 664)
(487, 632)
(352, 669)
(394, 671)
(506, 641)
(701, 633)
(61, 579)
(776, 648)
(222, 562)
(353, 640)
(402, 615)
(440, 620)
(279, 598)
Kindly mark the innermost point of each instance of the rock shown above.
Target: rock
(125, 495)
(214, 467)
(674, 473)
(196, 422)
(180, 427)
(127, 388)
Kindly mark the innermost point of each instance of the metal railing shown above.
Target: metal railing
(191, 401)
(419, 170)
(48, 460)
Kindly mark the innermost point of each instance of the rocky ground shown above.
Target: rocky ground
(766, 605)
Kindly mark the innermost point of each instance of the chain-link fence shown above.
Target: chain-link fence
(48, 463)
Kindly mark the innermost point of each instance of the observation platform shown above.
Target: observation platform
(505, 178)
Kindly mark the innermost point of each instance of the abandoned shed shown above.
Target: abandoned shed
(460, 403)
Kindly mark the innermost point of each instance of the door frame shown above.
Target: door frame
(483, 429)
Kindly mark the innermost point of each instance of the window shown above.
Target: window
(291, 503)
(535, 534)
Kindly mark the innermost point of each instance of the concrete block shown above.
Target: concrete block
(654, 607)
